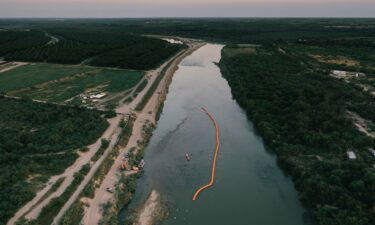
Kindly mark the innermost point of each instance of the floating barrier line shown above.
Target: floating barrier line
(215, 157)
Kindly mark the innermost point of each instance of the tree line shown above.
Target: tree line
(302, 116)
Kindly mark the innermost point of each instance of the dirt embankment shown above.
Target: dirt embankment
(151, 211)
(93, 213)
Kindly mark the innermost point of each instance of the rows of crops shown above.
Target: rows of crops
(98, 48)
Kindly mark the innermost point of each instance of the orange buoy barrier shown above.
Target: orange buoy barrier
(215, 157)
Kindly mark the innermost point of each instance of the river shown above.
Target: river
(249, 188)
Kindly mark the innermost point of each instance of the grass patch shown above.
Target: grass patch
(141, 87)
(34, 74)
(86, 78)
(75, 214)
(125, 188)
(103, 146)
(95, 182)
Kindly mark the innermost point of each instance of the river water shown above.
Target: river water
(249, 188)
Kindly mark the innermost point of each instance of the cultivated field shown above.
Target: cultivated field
(68, 84)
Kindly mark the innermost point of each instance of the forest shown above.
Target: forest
(105, 48)
(301, 113)
(38, 140)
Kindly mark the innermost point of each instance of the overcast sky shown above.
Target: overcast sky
(187, 8)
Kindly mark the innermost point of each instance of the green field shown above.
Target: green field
(57, 83)
(98, 47)
(34, 74)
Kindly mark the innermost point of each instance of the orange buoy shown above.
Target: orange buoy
(215, 158)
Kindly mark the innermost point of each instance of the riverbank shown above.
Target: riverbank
(93, 213)
(314, 124)
(152, 211)
(258, 186)
(111, 134)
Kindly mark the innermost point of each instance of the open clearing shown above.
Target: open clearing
(69, 84)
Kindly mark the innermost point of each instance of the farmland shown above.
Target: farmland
(94, 47)
(35, 74)
(67, 83)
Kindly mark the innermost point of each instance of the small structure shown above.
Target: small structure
(187, 157)
(340, 74)
(110, 190)
(372, 151)
(141, 164)
(173, 41)
(351, 155)
(98, 96)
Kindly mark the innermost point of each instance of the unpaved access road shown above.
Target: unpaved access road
(32, 209)
(13, 66)
(68, 174)
(101, 195)
(93, 213)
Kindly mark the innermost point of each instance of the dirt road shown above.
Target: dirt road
(33, 208)
(93, 213)
(68, 173)
(13, 66)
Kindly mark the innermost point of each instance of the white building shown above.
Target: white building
(98, 96)
(338, 72)
(173, 41)
(351, 155)
(346, 74)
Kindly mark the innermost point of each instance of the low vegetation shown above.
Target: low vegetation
(125, 188)
(40, 73)
(141, 87)
(123, 195)
(75, 214)
(49, 212)
(66, 84)
(103, 146)
(127, 128)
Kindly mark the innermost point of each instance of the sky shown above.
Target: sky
(187, 8)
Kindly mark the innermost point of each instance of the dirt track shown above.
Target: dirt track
(16, 64)
(33, 208)
(68, 173)
(93, 213)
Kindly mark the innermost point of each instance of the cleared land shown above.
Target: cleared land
(68, 84)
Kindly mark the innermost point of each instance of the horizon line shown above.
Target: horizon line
(198, 17)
